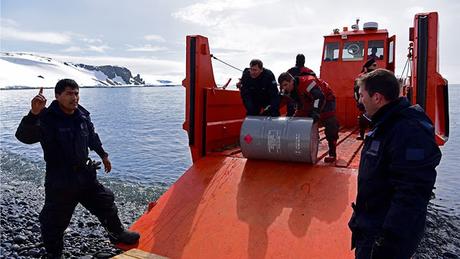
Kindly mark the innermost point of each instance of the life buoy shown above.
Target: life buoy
(353, 49)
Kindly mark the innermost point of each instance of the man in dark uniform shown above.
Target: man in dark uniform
(373, 54)
(396, 172)
(259, 90)
(298, 70)
(363, 121)
(65, 132)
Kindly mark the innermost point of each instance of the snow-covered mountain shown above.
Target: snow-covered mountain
(23, 70)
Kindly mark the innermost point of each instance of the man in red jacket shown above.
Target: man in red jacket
(313, 98)
(305, 91)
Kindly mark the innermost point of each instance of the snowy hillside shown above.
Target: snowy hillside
(22, 70)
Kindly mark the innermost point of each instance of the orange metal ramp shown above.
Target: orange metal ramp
(230, 207)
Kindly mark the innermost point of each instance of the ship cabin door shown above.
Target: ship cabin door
(391, 53)
(344, 54)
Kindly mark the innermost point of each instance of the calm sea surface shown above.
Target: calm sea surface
(141, 129)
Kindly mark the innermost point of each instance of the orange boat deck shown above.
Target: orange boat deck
(226, 206)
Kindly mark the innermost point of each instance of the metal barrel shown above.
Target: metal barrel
(280, 138)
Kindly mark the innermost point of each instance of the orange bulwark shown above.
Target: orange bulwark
(226, 206)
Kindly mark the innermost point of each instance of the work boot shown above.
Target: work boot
(329, 159)
(332, 144)
(125, 237)
(361, 134)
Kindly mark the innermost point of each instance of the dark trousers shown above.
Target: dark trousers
(60, 205)
(331, 130)
(364, 247)
(363, 243)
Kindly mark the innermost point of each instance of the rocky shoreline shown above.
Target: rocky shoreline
(20, 204)
(22, 196)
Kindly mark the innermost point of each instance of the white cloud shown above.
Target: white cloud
(213, 12)
(276, 31)
(100, 48)
(146, 48)
(154, 37)
(93, 48)
(73, 49)
(91, 41)
(238, 30)
(11, 33)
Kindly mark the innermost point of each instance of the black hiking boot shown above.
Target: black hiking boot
(332, 151)
(125, 237)
(330, 159)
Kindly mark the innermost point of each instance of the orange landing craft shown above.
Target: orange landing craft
(226, 206)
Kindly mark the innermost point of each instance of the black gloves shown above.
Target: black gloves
(93, 165)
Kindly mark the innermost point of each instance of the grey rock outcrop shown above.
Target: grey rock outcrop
(113, 71)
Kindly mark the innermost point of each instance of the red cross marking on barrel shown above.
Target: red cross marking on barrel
(248, 139)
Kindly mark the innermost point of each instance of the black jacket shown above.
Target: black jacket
(65, 140)
(258, 93)
(396, 173)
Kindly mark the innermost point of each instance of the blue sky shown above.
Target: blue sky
(148, 37)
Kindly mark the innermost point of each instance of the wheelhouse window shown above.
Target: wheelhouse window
(391, 54)
(353, 51)
(331, 51)
(375, 49)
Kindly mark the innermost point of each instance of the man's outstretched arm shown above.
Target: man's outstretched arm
(29, 130)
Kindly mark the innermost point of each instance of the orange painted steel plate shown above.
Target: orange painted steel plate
(228, 207)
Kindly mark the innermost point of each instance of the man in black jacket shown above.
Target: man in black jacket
(298, 70)
(396, 172)
(259, 90)
(66, 134)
